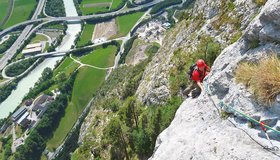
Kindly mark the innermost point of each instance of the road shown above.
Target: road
(126, 38)
(56, 53)
(78, 18)
(24, 34)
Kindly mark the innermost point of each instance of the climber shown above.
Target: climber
(197, 73)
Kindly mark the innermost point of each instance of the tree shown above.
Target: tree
(33, 147)
(115, 136)
(141, 142)
(47, 74)
(156, 125)
(61, 77)
(130, 112)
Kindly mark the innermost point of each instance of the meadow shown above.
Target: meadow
(126, 22)
(21, 12)
(86, 34)
(87, 82)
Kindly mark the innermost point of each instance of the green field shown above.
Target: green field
(96, 58)
(4, 6)
(21, 12)
(55, 26)
(126, 22)
(86, 34)
(92, 10)
(116, 3)
(38, 38)
(87, 82)
(102, 8)
(46, 47)
(67, 66)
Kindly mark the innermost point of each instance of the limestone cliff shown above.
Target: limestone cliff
(222, 20)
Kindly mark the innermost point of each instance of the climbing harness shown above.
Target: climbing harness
(231, 109)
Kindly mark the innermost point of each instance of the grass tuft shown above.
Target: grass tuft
(263, 78)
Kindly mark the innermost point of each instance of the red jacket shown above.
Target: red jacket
(198, 75)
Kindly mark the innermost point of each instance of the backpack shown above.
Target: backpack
(191, 69)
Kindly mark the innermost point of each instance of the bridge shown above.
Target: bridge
(78, 18)
(27, 30)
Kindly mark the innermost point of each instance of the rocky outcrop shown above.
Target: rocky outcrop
(198, 132)
(154, 87)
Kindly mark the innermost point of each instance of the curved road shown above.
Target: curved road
(24, 34)
(60, 53)
(78, 18)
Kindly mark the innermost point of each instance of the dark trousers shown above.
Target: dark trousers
(194, 88)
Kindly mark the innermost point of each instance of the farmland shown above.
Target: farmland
(89, 7)
(21, 12)
(4, 6)
(86, 84)
(86, 35)
(126, 22)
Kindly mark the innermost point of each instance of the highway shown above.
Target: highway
(59, 53)
(24, 34)
(27, 30)
(77, 18)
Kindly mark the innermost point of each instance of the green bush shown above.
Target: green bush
(254, 43)
(224, 114)
(224, 18)
(6, 147)
(7, 44)
(18, 68)
(152, 50)
(55, 8)
(235, 37)
(260, 2)
(7, 89)
(127, 47)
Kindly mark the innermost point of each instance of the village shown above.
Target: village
(27, 117)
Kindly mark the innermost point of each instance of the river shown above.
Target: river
(14, 100)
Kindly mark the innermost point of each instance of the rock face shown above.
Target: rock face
(198, 132)
(154, 88)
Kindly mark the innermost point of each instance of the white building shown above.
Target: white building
(32, 49)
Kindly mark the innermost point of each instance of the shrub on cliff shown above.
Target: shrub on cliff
(261, 78)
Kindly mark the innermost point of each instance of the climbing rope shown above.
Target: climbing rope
(230, 108)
